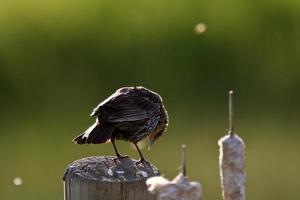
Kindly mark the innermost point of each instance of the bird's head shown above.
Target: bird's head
(161, 126)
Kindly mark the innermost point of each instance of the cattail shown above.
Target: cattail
(231, 161)
(180, 188)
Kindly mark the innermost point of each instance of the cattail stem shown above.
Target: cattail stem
(183, 160)
(230, 105)
(231, 161)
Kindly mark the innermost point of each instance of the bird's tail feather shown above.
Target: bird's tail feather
(96, 134)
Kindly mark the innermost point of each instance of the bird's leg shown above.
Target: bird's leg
(141, 155)
(116, 150)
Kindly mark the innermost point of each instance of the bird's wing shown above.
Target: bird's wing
(97, 110)
(131, 108)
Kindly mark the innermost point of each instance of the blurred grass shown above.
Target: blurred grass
(58, 59)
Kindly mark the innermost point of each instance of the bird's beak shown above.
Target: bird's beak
(151, 141)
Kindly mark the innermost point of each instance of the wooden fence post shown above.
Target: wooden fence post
(107, 178)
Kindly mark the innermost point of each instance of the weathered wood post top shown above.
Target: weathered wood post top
(108, 178)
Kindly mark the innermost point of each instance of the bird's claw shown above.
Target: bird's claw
(142, 161)
(120, 157)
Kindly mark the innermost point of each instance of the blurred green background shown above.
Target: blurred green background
(60, 58)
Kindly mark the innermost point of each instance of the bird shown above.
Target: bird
(130, 114)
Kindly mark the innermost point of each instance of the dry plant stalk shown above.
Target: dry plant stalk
(231, 161)
(232, 167)
(180, 188)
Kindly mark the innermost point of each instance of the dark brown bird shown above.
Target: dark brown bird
(130, 114)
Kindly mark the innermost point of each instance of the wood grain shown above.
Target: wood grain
(108, 178)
